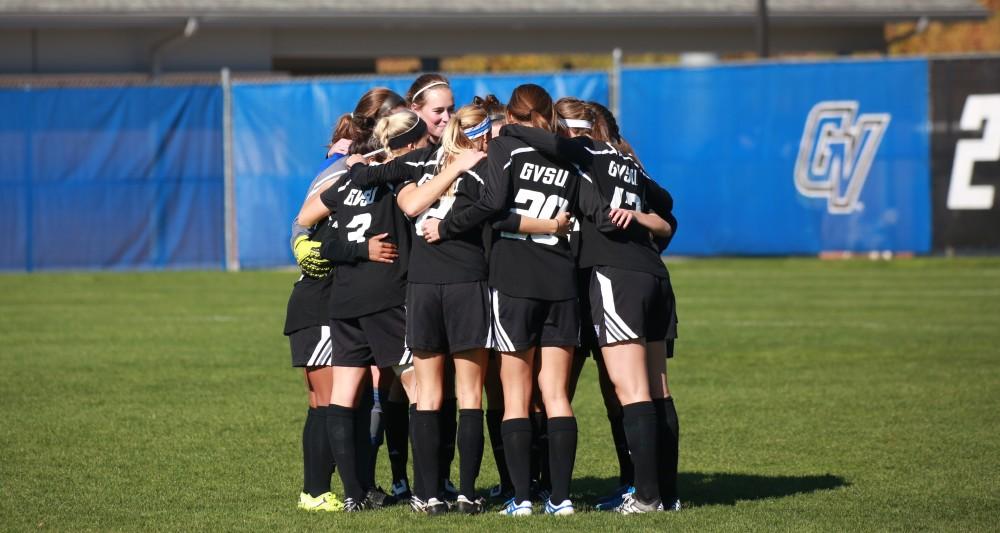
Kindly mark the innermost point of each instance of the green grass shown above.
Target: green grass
(812, 395)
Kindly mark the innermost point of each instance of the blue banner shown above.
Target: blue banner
(280, 131)
(787, 158)
(111, 178)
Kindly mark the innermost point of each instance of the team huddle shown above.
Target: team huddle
(492, 248)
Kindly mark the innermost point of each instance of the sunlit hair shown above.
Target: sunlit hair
(531, 104)
(417, 95)
(606, 129)
(402, 124)
(373, 105)
(455, 138)
(575, 116)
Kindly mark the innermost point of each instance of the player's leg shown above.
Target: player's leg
(494, 417)
(397, 429)
(667, 423)
(341, 428)
(553, 382)
(428, 369)
(470, 371)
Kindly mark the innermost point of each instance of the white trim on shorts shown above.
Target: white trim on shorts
(323, 352)
(616, 329)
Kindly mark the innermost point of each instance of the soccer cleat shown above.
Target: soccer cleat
(516, 509)
(324, 502)
(631, 505)
(432, 506)
(563, 509)
(353, 506)
(673, 507)
(466, 506)
(613, 500)
(401, 491)
(499, 492)
(376, 498)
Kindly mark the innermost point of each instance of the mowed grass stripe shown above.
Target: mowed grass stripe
(814, 396)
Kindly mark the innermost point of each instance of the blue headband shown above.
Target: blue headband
(479, 129)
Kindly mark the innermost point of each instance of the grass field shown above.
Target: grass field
(812, 396)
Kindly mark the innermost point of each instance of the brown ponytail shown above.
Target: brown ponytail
(531, 104)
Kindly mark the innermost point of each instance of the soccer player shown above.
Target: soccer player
(366, 306)
(631, 297)
(533, 295)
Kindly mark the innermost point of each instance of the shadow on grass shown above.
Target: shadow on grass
(701, 488)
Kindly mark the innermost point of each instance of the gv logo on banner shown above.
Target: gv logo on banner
(836, 153)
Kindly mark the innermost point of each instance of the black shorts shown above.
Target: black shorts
(310, 346)
(588, 338)
(375, 339)
(630, 305)
(447, 318)
(520, 323)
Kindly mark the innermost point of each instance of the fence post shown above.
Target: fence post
(615, 85)
(232, 260)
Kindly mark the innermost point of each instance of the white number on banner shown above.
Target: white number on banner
(362, 222)
(981, 110)
(535, 204)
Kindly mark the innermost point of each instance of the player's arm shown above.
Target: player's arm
(515, 223)
(552, 144)
(375, 249)
(660, 202)
(414, 199)
(492, 201)
(397, 171)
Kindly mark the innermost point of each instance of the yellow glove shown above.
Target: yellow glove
(307, 256)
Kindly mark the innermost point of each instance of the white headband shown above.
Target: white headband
(428, 86)
(374, 153)
(575, 123)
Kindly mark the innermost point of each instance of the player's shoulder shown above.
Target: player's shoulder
(478, 172)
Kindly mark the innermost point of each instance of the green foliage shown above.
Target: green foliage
(813, 396)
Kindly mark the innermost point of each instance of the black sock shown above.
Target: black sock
(669, 429)
(416, 471)
(517, 448)
(426, 446)
(643, 441)
(626, 473)
(365, 448)
(340, 427)
(317, 459)
(470, 450)
(540, 450)
(562, 445)
(493, 419)
(449, 431)
(396, 429)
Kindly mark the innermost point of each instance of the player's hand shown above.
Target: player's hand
(564, 223)
(468, 159)
(354, 160)
(307, 256)
(340, 147)
(430, 230)
(380, 251)
(621, 217)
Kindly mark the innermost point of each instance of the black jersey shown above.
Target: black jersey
(360, 213)
(524, 181)
(307, 305)
(620, 182)
(459, 259)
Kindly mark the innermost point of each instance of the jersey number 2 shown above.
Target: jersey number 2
(362, 222)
